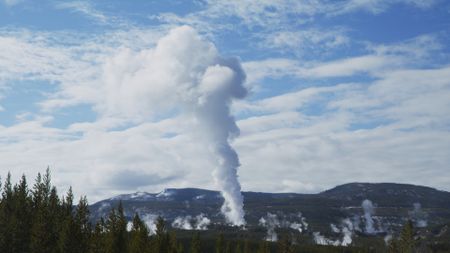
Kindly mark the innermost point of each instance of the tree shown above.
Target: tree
(139, 242)
(406, 240)
(42, 232)
(263, 247)
(285, 245)
(228, 248)
(195, 244)
(160, 243)
(393, 246)
(97, 242)
(82, 226)
(174, 246)
(238, 247)
(219, 243)
(6, 213)
(116, 227)
(22, 217)
(246, 246)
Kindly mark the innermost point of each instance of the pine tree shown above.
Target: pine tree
(82, 226)
(40, 237)
(98, 242)
(238, 247)
(174, 246)
(6, 212)
(160, 242)
(263, 247)
(139, 242)
(67, 241)
(228, 247)
(285, 245)
(393, 246)
(116, 226)
(195, 244)
(246, 246)
(219, 243)
(406, 240)
(22, 217)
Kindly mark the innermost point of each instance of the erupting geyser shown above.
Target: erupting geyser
(186, 74)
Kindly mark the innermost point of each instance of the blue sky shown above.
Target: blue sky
(339, 91)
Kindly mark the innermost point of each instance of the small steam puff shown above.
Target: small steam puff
(185, 74)
(418, 216)
(149, 220)
(199, 222)
(346, 228)
(272, 221)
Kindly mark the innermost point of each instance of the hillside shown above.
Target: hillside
(393, 205)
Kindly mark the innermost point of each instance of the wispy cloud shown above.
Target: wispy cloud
(12, 2)
(84, 8)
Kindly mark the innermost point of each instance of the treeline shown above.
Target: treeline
(38, 220)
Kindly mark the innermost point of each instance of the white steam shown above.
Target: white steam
(418, 216)
(322, 240)
(368, 212)
(270, 222)
(150, 222)
(199, 222)
(183, 74)
(273, 221)
(346, 229)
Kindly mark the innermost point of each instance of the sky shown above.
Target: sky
(338, 91)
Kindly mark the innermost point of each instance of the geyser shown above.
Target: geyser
(185, 74)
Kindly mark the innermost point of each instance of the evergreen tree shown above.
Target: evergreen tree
(195, 244)
(139, 242)
(98, 242)
(406, 240)
(238, 247)
(6, 213)
(228, 247)
(263, 247)
(67, 241)
(174, 246)
(22, 217)
(285, 245)
(53, 219)
(82, 226)
(116, 226)
(393, 246)
(160, 242)
(246, 246)
(41, 239)
(219, 244)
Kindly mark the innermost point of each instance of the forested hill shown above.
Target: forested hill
(37, 219)
(392, 203)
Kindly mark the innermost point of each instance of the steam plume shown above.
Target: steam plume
(199, 222)
(346, 228)
(186, 74)
(418, 216)
(368, 212)
(219, 85)
(273, 221)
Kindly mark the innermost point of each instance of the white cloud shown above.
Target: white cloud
(391, 127)
(306, 40)
(378, 6)
(12, 2)
(84, 8)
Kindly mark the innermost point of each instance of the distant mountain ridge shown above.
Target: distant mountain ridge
(393, 204)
